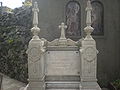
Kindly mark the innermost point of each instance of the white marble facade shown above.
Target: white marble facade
(62, 64)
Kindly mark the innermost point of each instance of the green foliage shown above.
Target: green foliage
(27, 3)
(116, 83)
(14, 37)
(13, 60)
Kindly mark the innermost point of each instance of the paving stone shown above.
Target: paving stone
(11, 84)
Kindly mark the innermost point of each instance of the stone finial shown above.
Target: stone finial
(35, 17)
(88, 29)
(62, 27)
(89, 10)
(35, 30)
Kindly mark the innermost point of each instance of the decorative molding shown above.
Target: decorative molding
(34, 54)
(58, 42)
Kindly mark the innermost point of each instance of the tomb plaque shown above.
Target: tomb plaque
(62, 63)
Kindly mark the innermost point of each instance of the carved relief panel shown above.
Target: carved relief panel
(35, 61)
(89, 57)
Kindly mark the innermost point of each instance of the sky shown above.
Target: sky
(12, 3)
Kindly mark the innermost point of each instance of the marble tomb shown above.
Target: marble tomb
(62, 64)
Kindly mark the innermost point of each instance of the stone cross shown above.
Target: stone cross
(62, 27)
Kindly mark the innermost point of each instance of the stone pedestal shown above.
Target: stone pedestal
(88, 54)
(36, 66)
(88, 67)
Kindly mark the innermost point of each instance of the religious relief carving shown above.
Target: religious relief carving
(97, 18)
(34, 54)
(90, 54)
(73, 19)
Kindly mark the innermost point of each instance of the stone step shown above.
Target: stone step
(11, 84)
(62, 89)
(62, 85)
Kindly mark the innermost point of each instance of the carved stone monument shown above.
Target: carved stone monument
(62, 64)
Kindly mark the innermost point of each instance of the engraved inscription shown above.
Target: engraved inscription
(63, 63)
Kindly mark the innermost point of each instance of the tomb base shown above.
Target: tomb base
(36, 86)
(89, 86)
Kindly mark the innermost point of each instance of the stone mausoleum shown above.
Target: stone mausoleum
(105, 21)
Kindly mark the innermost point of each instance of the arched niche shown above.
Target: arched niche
(97, 18)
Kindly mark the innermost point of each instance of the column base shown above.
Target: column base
(35, 86)
(89, 86)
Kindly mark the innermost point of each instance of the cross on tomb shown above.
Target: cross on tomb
(62, 27)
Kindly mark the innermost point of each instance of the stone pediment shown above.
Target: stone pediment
(62, 42)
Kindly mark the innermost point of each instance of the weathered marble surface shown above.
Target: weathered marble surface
(62, 63)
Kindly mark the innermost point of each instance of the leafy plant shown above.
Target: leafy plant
(27, 3)
(116, 83)
(14, 37)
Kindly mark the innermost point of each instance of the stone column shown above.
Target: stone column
(88, 53)
(35, 53)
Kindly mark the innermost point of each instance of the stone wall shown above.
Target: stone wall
(108, 59)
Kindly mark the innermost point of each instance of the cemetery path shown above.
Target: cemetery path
(11, 84)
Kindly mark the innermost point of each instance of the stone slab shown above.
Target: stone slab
(62, 85)
(62, 63)
(62, 78)
(11, 84)
(62, 89)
